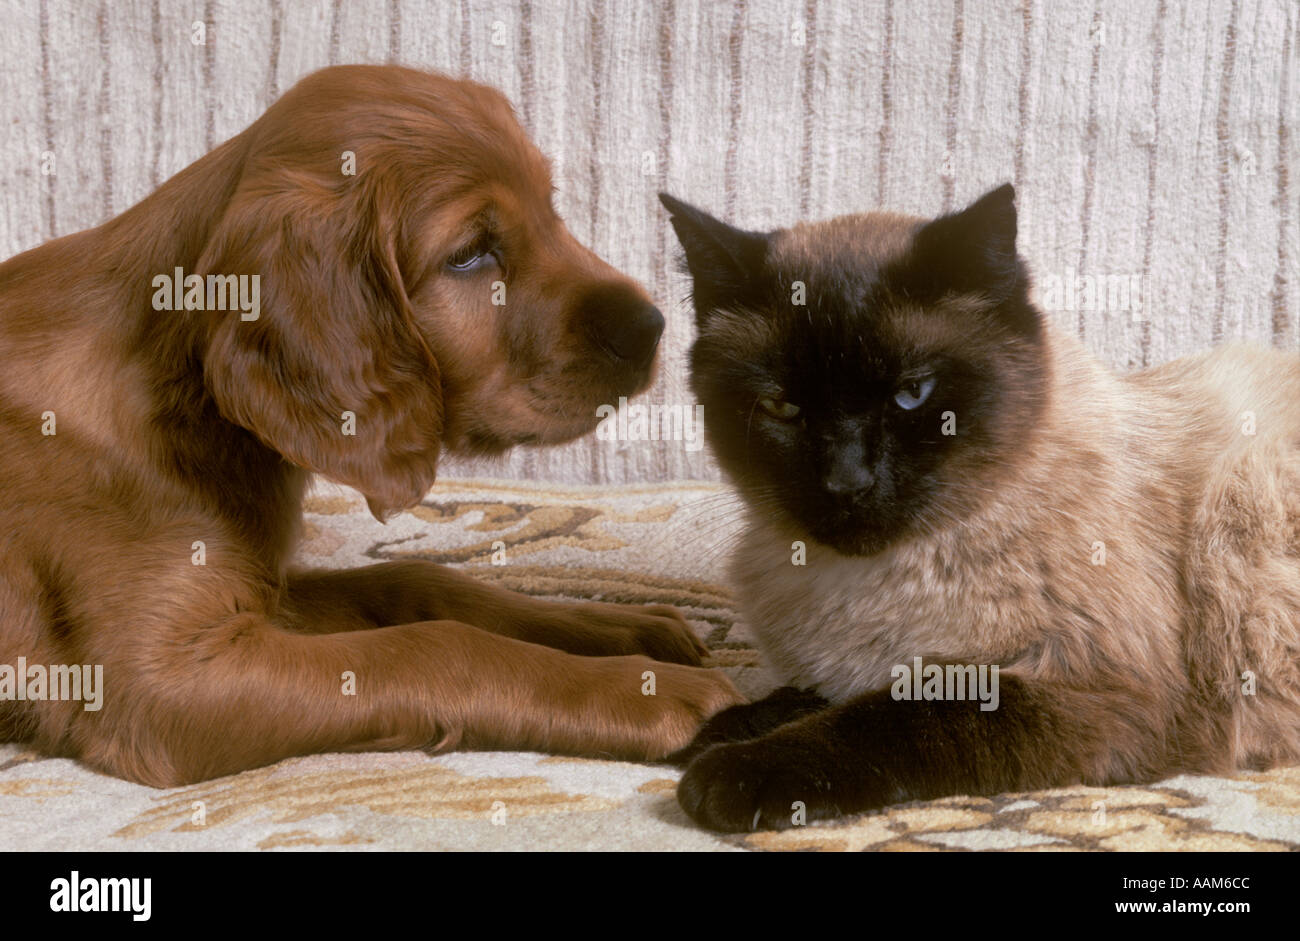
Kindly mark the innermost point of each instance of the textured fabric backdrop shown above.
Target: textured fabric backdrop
(1148, 139)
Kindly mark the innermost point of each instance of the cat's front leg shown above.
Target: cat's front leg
(752, 720)
(874, 751)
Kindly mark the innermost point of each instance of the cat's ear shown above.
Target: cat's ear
(725, 262)
(973, 250)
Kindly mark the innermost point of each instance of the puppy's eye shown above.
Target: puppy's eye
(914, 393)
(782, 410)
(478, 254)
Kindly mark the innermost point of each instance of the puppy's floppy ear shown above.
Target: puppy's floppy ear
(723, 261)
(333, 374)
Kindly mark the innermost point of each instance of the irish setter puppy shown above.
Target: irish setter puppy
(369, 274)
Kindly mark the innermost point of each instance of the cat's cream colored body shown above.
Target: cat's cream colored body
(1144, 542)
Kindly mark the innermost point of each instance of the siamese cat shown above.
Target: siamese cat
(981, 561)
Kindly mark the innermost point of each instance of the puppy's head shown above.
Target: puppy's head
(418, 290)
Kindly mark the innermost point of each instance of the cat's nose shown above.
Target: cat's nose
(848, 473)
(846, 482)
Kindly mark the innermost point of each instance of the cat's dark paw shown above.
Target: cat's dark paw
(749, 721)
(762, 786)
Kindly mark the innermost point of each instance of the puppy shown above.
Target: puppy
(371, 273)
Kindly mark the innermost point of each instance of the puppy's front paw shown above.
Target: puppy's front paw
(655, 631)
(660, 706)
(761, 786)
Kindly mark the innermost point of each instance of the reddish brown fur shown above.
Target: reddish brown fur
(178, 427)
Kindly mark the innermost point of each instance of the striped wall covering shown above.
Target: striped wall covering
(1153, 139)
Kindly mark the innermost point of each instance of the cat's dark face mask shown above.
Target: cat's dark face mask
(864, 378)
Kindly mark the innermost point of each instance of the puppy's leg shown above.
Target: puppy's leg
(245, 693)
(409, 591)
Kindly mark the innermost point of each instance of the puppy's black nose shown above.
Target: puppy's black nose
(624, 325)
(635, 334)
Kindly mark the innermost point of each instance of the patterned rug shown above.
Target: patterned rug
(642, 545)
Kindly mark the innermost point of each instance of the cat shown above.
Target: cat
(946, 494)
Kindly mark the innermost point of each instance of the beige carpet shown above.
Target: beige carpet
(634, 544)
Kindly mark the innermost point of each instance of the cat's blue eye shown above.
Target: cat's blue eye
(914, 394)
